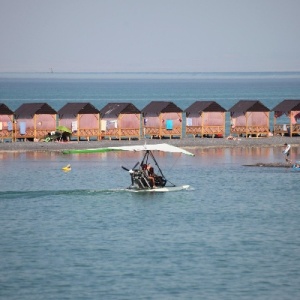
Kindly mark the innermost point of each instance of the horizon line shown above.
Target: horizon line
(139, 72)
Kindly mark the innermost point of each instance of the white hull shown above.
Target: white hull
(160, 190)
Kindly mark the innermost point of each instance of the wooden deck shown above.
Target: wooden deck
(6, 134)
(206, 130)
(119, 133)
(163, 132)
(86, 133)
(262, 130)
(280, 129)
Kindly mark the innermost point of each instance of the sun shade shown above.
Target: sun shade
(157, 147)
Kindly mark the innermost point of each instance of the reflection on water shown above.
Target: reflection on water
(243, 155)
(269, 154)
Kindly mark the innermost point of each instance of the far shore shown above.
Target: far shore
(186, 143)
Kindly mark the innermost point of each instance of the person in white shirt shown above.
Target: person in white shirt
(286, 151)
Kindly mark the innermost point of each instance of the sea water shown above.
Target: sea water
(234, 234)
(183, 89)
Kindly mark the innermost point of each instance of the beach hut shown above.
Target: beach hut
(205, 118)
(249, 118)
(120, 120)
(33, 121)
(82, 118)
(287, 118)
(162, 119)
(6, 122)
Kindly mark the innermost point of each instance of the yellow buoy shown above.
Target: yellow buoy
(67, 168)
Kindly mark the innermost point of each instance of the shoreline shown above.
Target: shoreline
(187, 143)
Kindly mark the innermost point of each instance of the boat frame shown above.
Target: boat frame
(140, 179)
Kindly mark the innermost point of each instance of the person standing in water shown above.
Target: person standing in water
(286, 151)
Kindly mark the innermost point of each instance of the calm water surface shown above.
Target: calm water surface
(79, 235)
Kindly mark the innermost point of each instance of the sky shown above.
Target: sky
(149, 35)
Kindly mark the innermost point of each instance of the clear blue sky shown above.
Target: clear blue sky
(149, 35)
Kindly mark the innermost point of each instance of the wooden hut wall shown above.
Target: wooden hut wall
(67, 120)
(109, 128)
(109, 124)
(238, 119)
(158, 126)
(89, 121)
(193, 125)
(250, 119)
(84, 125)
(6, 127)
(295, 117)
(286, 117)
(213, 118)
(5, 119)
(151, 126)
(125, 125)
(207, 123)
(283, 127)
(258, 119)
(176, 119)
(152, 122)
(295, 122)
(209, 119)
(130, 125)
(129, 121)
(88, 125)
(254, 123)
(35, 128)
(44, 123)
(24, 128)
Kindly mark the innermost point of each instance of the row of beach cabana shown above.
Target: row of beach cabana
(35, 121)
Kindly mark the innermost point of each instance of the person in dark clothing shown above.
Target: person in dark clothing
(151, 176)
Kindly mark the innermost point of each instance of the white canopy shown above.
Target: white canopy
(158, 147)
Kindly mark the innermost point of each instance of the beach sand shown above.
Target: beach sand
(186, 143)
